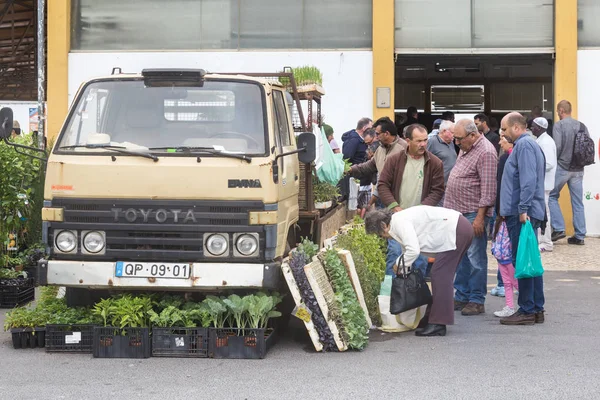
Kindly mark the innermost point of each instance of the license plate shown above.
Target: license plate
(152, 270)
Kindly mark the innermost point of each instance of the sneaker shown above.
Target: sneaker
(574, 240)
(505, 312)
(543, 249)
(557, 235)
(498, 291)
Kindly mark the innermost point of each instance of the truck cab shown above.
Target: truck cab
(173, 180)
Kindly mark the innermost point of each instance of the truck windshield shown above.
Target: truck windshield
(228, 116)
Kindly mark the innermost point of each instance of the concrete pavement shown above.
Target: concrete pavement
(478, 359)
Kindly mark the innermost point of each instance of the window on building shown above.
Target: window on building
(220, 24)
(474, 23)
(588, 29)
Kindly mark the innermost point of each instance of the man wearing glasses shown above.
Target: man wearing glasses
(471, 190)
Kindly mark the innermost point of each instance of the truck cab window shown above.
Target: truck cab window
(126, 113)
(280, 111)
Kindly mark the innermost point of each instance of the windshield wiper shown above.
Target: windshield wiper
(118, 149)
(209, 150)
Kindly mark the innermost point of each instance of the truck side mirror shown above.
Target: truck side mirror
(6, 122)
(307, 141)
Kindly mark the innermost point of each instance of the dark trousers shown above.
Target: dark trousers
(531, 290)
(441, 311)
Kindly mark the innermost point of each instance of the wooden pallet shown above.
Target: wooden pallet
(326, 299)
(348, 262)
(291, 282)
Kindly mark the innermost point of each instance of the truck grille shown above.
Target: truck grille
(156, 230)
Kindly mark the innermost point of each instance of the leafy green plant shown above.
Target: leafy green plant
(369, 254)
(352, 315)
(305, 75)
(105, 310)
(237, 307)
(217, 310)
(308, 248)
(9, 273)
(324, 191)
(132, 311)
(20, 184)
(261, 308)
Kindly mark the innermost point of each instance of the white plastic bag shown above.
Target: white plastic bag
(353, 196)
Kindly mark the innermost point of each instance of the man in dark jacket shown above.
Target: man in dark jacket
(354, 147)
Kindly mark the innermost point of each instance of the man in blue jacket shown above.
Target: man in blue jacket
(354, 147)
(522, 199)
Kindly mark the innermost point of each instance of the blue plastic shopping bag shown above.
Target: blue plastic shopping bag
(529, 259)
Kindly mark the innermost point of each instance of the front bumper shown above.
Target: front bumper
(204, 276)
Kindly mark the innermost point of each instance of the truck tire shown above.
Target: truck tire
(80, 297)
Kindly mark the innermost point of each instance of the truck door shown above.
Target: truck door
(289, 182)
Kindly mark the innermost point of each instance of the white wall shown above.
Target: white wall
(588, 106)
(347, 76)
(20, 112)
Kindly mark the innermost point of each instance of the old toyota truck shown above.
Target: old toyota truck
(173, 180)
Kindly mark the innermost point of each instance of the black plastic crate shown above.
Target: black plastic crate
(28, 338)
(228, 343)
(180, 342)
(12, 295)
(69, 338)
(111, 342)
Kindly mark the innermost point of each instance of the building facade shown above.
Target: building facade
(359, 46)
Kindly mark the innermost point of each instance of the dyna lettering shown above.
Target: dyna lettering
(160, 216)
(244, 183)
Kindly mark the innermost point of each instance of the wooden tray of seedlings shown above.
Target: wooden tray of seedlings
(295, 292)
(348, 262)
(326, 298)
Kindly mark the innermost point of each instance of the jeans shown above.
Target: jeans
(395, 251)
(575, 182)
(531, 290)
(471, 276)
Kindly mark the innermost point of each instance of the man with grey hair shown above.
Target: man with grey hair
(442, 146)
(471, 190)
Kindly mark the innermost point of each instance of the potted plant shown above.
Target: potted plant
(249, 336)
(26, 326)
(180, 331)
(324, 194)
(128, 336)
(15, 288)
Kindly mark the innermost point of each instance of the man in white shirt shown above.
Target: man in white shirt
(539, 127)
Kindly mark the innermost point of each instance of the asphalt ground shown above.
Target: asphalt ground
(478, 359)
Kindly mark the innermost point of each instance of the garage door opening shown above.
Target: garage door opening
(470, 84)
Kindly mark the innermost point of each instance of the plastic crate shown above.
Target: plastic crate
(227, 343)
(69, 338)
(180, 342)
(14, 296)
(111, 342)
(28, 338)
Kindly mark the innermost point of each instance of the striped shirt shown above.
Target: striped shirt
(472, 182)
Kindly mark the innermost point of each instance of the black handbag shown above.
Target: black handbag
(409, 290)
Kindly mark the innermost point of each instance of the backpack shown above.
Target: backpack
(583, 149)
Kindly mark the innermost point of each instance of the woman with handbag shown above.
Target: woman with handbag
(433, 232)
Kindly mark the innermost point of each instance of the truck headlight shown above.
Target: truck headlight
(217, 244)
(66, 241)
(94, 242)
(246, 244)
